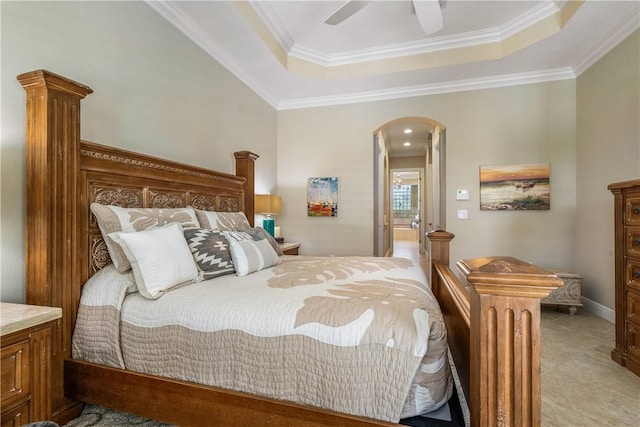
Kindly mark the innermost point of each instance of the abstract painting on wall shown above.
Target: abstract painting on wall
(515, 187)
(322, 196)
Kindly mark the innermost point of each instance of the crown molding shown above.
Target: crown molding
(274, 25)
(611, 40)
(432, 44)
(431, 89)
(169, 11)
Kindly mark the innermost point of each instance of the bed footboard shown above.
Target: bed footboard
(494, 331)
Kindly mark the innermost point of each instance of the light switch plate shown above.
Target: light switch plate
(462, 214)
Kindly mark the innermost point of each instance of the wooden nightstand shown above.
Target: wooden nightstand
(25, 330)
(290, 248)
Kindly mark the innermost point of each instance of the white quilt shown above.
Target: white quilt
(359, 335)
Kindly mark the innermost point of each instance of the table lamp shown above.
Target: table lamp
(268, 204)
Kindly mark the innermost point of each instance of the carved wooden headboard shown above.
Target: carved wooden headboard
(65, 175)
(116, 177)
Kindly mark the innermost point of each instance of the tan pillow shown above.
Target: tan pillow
(222, 221)
(114, 218)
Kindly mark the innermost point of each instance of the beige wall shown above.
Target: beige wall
(533, 123)
(155, 92)
(608, 150)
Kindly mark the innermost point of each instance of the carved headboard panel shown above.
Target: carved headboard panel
(116, 177)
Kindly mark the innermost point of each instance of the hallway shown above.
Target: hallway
(406, 245)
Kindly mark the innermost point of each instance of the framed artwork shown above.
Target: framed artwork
(515, 187)
(322, 196)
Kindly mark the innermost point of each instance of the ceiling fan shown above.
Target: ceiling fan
(428, 12)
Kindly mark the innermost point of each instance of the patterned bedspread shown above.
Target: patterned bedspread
(359, 335)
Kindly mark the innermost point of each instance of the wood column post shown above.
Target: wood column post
(505, 339)
(245, 167)
(439, 242)
(53, 157)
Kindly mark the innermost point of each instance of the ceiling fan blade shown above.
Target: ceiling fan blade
(429, 15)
(345, 11)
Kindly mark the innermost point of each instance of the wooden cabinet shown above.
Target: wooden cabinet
(627, 273)
(25, 391)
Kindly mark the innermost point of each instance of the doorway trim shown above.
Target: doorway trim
(434, 178)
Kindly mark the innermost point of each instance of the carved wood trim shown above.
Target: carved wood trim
(97, 152)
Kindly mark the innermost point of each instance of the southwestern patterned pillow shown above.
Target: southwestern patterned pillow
(211, 251)
(113, 218)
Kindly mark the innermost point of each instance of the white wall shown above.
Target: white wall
(523, 124)
(608, 151)
(155, 92)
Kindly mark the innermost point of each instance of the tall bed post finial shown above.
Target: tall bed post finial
(52, 158)
(245, 167)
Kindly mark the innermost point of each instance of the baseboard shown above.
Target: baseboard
(599, 310)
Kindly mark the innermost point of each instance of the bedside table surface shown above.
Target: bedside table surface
(15, 317)
(288, 245)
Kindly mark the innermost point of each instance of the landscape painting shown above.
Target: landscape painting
(515, 187)
(322, 196)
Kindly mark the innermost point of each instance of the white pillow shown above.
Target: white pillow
(160, 258)
(249, 255)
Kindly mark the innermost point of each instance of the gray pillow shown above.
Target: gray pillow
(259, 233)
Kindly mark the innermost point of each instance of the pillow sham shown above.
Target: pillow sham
(249, 255)
(259, 233)
(114, 218)
(223, 221)
(211, 251)
(159, 257)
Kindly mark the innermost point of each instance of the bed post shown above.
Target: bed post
(245, 167)
(505, 298)
(53, 165)
(493, 327)
(439, 242)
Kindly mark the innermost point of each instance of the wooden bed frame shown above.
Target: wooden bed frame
(64, 248)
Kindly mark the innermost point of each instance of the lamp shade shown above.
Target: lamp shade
(268, 204)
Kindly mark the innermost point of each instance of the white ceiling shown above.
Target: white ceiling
(285, 52)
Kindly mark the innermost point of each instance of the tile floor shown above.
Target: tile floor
(581, 385)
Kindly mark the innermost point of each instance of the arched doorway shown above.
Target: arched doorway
(425, 152)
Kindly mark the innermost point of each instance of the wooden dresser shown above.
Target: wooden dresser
(25, 330)
(627, 273)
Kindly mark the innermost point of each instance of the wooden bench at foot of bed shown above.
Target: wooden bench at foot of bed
(494, 331)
